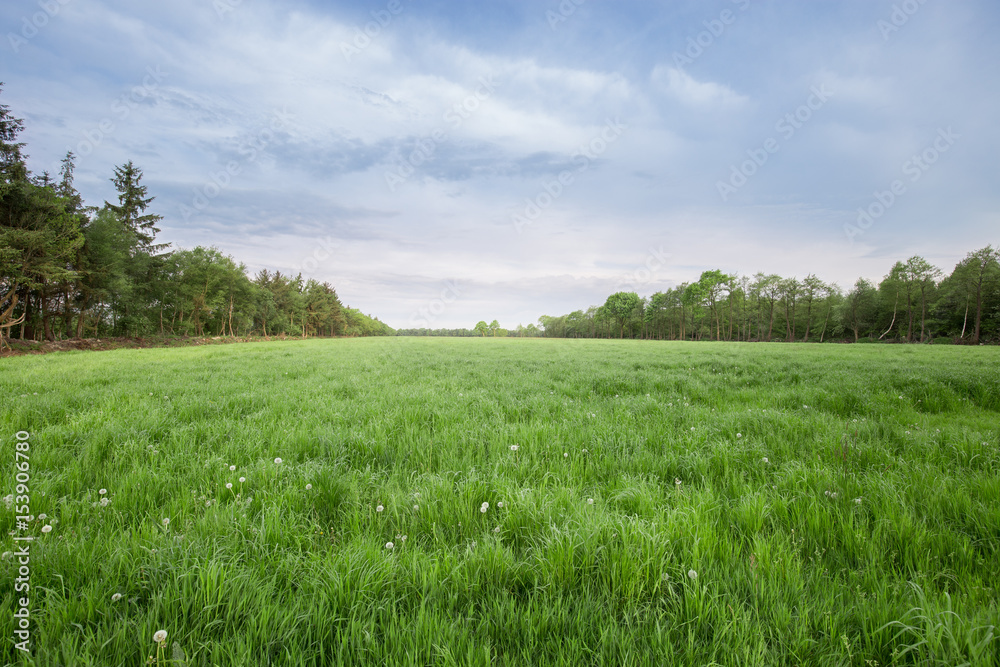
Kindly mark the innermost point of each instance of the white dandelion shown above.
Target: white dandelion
(497, 529)
(514, 448)
(739, 435)
(242, 479)
(389, 545)
(166, 521)
(116, 597)
(46, 529)
(692, 574)
(765, 460)
(232, 468)
(229, 485)
(590, 501)
(160, 636)
(379, 508)
(102, 492)
(308, 486)
(278, 460)
(499, 503)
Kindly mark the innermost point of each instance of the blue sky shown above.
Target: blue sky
(445, 162)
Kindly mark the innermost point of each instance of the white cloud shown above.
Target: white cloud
(682, 86)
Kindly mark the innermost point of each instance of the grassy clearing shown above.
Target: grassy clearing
(840, 505)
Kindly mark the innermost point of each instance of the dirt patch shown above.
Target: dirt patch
(20, 347)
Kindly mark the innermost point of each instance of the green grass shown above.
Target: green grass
(667, 439)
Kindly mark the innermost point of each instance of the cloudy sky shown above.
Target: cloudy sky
(443, 162)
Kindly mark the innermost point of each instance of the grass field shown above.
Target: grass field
(648, 503)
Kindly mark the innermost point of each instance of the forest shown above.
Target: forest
(68, 269)
(914, 303)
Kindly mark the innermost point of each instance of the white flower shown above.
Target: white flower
(389, 545)
(242, 479)
(308, 486)
(497, 529)
(46, 529)
(584, 451)
(857, 501)
(43, 517)
(677, 482)
(514, 448)
(565, 455)
(484, 507)
(229, 485)
(692, 574)
(379, 508)
(278, 460)
(105, 502)
(103, 491)
(765, 460)
(232, 468)
(692, 428)
(739, 435)
(833, 495)
(116, 597)
(160, 636)
(590, 501)
(403, 538)
(499, 503)
(416, 507)
(166, 521)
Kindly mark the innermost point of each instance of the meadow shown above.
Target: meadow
(404, 501)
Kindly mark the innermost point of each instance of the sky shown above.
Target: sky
(445, 162)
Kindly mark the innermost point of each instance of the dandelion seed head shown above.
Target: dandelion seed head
(389, 545)
(232, 468)
(677, 482)
(43, 517)
(278, 460)
(765, 460)
(497, 529)
(242, 479)
(692, 574)
(739, 435)
(46, 529)
(166, 521)
(116, 597)
(857, 501)
(499, 503)
(379, 508)
(416, 507)
(102, 492)
(565, 455)
(229, 485)
(514, 448)
(160, 636)
(590, 501)
(308, 486)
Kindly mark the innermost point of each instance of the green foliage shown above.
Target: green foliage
(668, 441)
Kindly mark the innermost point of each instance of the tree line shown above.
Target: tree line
(72, 270)
(914, 302)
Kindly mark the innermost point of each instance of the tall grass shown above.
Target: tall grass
(835, 505)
